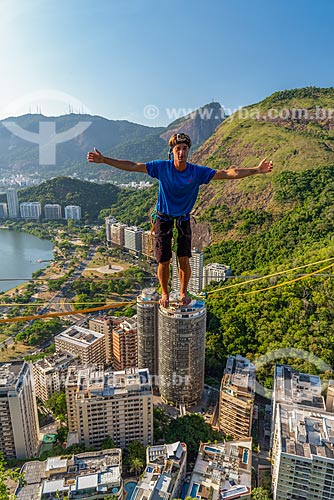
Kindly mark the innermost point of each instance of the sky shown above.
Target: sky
(152, 61)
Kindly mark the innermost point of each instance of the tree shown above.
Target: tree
(8, 474)
(108, 443)
(261, 494)
(57, 404)
(136, 465)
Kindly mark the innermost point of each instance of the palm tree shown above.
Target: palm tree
(136, 465)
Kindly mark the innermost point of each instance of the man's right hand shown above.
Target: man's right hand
(95, 157)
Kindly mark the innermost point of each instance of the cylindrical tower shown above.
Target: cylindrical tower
(147, 331)
(182, 352)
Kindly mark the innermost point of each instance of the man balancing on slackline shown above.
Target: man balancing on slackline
(179, 182)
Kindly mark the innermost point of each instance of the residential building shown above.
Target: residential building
(102, 403)
(147, 331)
(52, 212)
(124, 342)
(133, 239)
(215, 272)
(30, 210)
(89, 346)
(73, 212)
(93, 474)
(181, 341)
(164, 474)
(330, 396)
(223, 471)
(117, 234)
(13, 203)
(109, 221)
(236, 398)
(148, 244)
(303, 453)
(50, 374)
(104, 325)
(19, 430)
(295, 388)
(195, 285)
(3, 211)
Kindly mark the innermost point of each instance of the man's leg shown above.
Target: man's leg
(184, 275)
(163, 231)
(183, 254)
(163, 277)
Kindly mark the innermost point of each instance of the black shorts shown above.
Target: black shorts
(163, 233)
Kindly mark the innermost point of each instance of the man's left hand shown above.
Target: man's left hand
(265, 166)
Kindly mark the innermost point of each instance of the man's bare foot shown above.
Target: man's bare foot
(185, 299)
(164, 301)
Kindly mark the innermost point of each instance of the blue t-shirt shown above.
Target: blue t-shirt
(178, 190)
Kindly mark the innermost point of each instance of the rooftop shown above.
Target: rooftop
(306, 432)
(224, 468)
(240, 373)
(9, 373)
(99, 471)
(79, 336)
(291, 386)
(162, 471)
(59, 360)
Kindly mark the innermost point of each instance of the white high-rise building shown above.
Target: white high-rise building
(52, 211)
(303, 453)
(3, 211)
(19, 430)
(133, 239)
(215, 272)
(30, 210)
(13, 203)
(196, 279)
(73, 212)
(102, 403)
(109, 221)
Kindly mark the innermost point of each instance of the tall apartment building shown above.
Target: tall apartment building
(196, 279)
(50, 374)
(87, 345)
(236, 398)
(224, 469)
(124, 342)
(148, 244)
(109, 221)
(147, 331)
(214, 273)
(30, 210)
(133, 239)
(19, 430)
(303, 453)
(330, 396)
(92, 474)
(102, 403)
(181, 341)
(52, 211)
(104, 325)
(165, 472)
(117, 234)
(3, 211)
(73, 212)
(13, 203)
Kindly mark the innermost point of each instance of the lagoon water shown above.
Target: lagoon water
(18, 255)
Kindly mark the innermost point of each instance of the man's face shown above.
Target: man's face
(180, 152)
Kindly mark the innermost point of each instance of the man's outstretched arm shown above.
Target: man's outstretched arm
(129, 166)
(264, 167)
